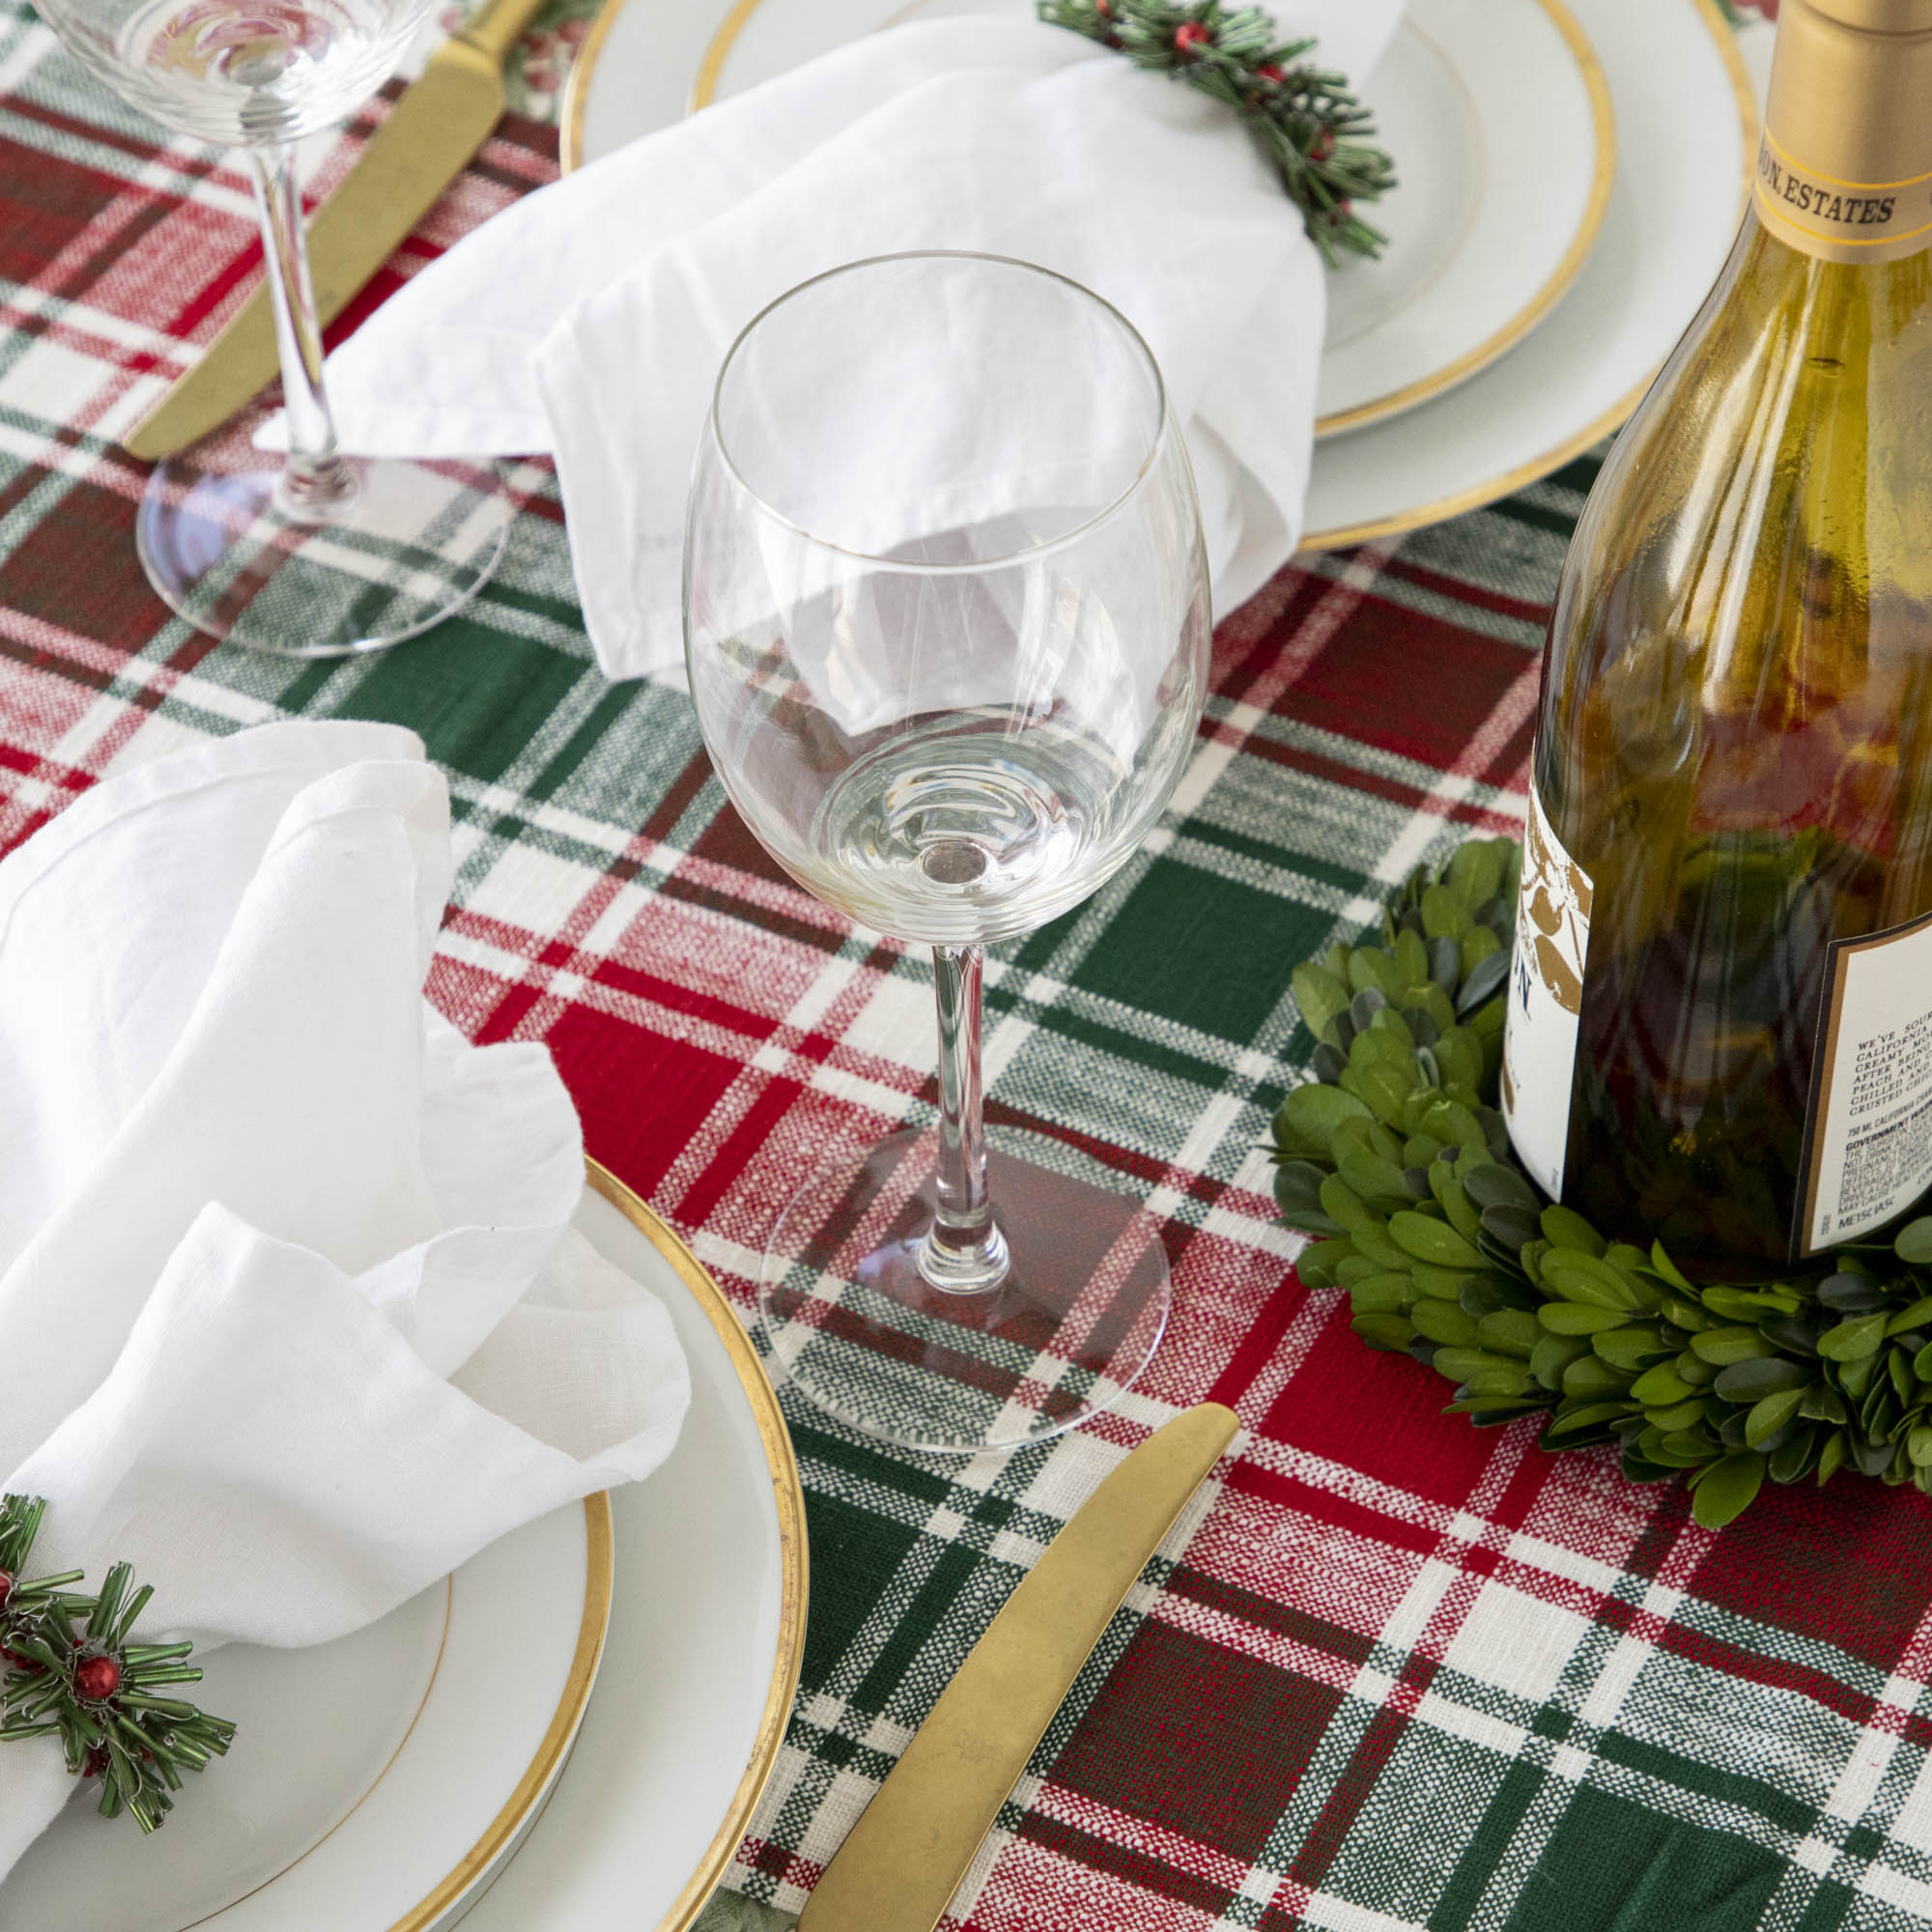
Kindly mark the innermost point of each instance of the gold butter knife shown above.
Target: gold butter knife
(903, 1859)
(432, 131)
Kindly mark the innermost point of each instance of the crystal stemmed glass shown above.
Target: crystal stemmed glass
(319, 553)
(947, 627)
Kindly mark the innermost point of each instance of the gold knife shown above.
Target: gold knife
(904, 1859)
(432, 131)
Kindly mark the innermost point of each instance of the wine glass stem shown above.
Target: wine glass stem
(315, 479)
(963, 1251)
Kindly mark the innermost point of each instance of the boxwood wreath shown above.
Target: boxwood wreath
(1395, 1159)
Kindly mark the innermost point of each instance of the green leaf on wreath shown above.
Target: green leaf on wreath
(1913, 1245)
(1724, 1489)
(1853, 1339)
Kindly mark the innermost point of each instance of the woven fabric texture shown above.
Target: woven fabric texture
(1390, 1672)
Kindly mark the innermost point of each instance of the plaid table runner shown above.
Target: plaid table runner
(1391, 1671)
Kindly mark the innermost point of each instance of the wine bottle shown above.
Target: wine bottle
(1719, 1025)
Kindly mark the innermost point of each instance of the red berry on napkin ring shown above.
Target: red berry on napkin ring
(1189, 34)
(96, 1677)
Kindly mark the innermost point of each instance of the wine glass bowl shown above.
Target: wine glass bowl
(947, 690)
(236, 72)
(947, 629)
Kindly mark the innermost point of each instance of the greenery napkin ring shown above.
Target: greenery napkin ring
(73, 1673)
(1312, 127)
(1394, 1156)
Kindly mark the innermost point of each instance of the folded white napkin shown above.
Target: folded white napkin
(293, 1320)
(589, 320)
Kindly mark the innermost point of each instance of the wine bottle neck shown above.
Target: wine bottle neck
(1844, 168)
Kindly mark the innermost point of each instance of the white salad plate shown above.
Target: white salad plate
(1683, 114)
(384, 1784)
(1503, 98)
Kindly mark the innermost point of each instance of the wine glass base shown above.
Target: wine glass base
(852, 1322)
(409, 544)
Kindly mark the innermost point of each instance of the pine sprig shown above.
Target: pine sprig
(1317, 133)
(73, 1672)
(1395, 1158)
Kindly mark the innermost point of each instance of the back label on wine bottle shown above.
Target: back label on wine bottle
(1868, 1152)
(1545, 999)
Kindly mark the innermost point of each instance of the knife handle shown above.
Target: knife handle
(498, 26)
(903, 1859)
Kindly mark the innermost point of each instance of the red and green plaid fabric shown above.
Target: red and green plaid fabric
(1392, 1672)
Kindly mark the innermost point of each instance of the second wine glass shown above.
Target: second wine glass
(947, 625)
(319, 554)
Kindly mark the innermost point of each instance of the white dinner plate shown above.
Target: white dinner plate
(1497, 111)
(382, 1783)
(1685, 114)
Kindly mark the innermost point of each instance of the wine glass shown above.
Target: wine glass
(319, 553)
(947, 627)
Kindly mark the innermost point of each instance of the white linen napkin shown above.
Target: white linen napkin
(294, 1319)
(589, 320)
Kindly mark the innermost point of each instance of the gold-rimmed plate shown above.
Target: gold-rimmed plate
(382, 1783)
(1497, 109)
(1687, 128)
(1499, 116)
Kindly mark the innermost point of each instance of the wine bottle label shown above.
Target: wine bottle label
(1869, 1125)
(1840, 221)
(1545, 999)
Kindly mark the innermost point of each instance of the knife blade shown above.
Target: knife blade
(432, 131)
(902, 1861)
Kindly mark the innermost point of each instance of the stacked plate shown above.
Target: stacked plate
(1572, 175)
(382, 1783)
